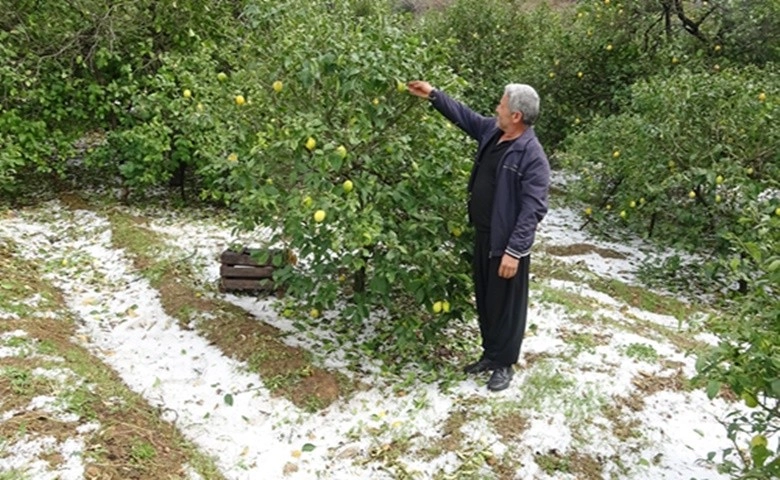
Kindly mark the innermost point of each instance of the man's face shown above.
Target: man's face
(505, 119)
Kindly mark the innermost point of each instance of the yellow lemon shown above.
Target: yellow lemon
(311, 144)
(375, 101)
(691, 194)
(400, 87)
(307, 201)
(437, 306)
(623, 214)
(240, 100)
(457, 231)
(777, 211)
(319, 216)
(608, 207)
(314, 313)
(758, 441)
(717, 199)
(278, 86)
(222, 76)
(616, 154)
(749, 171)
(342, 151)
(632, 204)
(552, 74)
(761, 97)
(675, 60)
(609, 47)
(642, 201)
(716, 48)
(232, 158)
(187, 93)
(718, 179)
(445, 306)
(199, 106)
(580, 74)
(348, 186)
(588, 211)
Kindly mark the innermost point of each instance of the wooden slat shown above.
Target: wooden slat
(226, 271)
(230, 257)
(228, 284)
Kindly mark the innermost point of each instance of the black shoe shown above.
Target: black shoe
(501, 378)
(483, 365)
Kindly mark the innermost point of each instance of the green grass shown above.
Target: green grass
(142, 452)
(14, 474)
(543, 385)
(642, 351)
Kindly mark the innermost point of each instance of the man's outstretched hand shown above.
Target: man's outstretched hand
(419, 88)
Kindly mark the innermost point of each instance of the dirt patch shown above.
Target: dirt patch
(583, 249)
(34, 423)
(634, 402)
(510, 426)
(532, 358)
(650, 383)
(287, 371)
(623, 427)
(73, 201)
(451, 434)
(583, 467)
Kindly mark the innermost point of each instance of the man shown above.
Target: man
(508, 190)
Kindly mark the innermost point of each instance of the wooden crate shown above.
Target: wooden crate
(249, 269)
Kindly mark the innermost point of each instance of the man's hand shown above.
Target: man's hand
(508, 267)
(419, 88)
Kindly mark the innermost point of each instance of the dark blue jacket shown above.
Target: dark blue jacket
(522, 179)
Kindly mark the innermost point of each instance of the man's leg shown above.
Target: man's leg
(481, 275)
(506, 311)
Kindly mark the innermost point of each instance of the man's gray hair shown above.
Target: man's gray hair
(524, 99)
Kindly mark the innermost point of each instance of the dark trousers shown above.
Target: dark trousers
(502, 304)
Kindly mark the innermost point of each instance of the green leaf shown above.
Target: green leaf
(776, 387)
(229, 399)
(713, 388)
(307, 447)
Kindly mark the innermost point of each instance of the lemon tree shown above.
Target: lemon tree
(364, 182)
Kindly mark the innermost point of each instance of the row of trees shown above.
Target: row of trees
(294, 115)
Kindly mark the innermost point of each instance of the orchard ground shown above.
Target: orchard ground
(119, 358)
